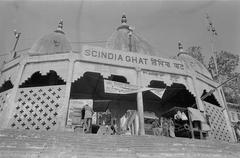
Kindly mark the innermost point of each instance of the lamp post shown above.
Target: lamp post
(213, 33)
(17, 36)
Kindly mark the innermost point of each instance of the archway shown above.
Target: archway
(39, 80)
(175, 98)
(91, 86)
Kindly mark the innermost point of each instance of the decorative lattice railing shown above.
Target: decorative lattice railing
(3, 101)
(37, 108)
(219, 130)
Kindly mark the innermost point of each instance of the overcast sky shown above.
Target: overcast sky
(161, 23)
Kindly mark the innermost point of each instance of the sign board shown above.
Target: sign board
(75, 110)
(118, 87)
(130, 59)
(124, 88)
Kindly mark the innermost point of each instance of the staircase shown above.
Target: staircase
(31, 144)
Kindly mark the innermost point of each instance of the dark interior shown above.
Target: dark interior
(91, 86)
(210, 98)
(6, 86)
(38, 80)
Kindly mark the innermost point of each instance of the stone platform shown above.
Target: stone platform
(30, 144)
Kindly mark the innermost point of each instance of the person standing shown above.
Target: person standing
(88, 118)
(237, 130)
(171, 128)
(157, 128)
(165, 127)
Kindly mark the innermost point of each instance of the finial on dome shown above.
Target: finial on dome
(180, 46)
(60, 27)
(124, 19)
(124, 23)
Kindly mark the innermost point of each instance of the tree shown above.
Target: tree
(195, 52)
(227, 64)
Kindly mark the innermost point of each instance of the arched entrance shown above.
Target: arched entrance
(91, 86)
(175, 98)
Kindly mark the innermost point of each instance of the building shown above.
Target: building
(39, 87)
(234, 111)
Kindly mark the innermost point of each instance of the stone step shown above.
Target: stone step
(15, 144)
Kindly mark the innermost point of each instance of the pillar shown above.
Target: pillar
(136, 122)
(63, 113)
(10, 101)
(199, 103)
(198, 100)
(140, 104)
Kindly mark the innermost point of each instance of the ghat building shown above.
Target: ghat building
(40, 89)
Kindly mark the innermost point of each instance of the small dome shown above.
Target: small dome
(194, 64)
(52, 43)
(124, 39)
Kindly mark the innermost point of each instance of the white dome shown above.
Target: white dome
(52, 43)
(120, 40)
(194, 64)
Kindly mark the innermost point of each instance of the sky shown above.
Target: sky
(161, 23)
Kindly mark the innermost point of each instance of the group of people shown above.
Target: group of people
(105, 129)
(160, 127)
(163, 127)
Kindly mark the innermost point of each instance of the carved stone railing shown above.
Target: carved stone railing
(37, 108)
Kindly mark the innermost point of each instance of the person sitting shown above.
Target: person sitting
(128, 132)
(105, 129)
(178, 115)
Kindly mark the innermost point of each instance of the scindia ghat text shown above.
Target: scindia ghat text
(154, 61)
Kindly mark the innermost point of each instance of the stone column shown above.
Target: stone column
(11, 104)
(140, 104)
(64, 110)
(198, 100)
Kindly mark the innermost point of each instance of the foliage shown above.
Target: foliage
(195, 52)
(227, 64)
